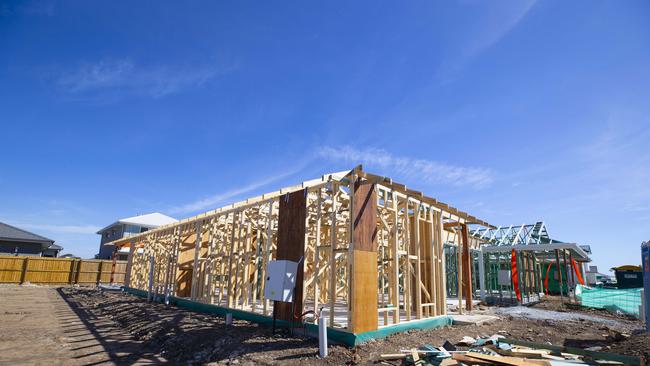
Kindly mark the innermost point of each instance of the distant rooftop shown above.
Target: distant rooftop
(9, 232)
(151, 220)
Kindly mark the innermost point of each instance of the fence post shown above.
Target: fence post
(99, 272)
(79, 265)
(73, 262)
(113, 265)
(23, 274)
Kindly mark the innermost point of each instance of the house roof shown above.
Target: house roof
(627, 267)
(13, 233)
(151, 220)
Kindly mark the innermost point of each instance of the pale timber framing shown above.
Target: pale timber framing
(220, 257)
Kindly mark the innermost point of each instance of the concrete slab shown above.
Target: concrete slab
(473, 319)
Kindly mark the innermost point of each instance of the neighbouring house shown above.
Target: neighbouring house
(522, 262)
(124, 228)
(16, 241)
(595, 278)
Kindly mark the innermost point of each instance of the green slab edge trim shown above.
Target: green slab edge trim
(333, 334)
(213, 309)
(429, 323)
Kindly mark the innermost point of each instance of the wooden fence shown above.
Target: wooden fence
(42, 270)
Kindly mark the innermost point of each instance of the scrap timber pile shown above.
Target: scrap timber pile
(498, 350)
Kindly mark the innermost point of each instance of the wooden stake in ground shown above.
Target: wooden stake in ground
(559, 273)
(467, 268)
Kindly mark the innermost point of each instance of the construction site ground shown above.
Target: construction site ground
(85, 326)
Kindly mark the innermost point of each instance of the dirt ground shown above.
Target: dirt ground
(82, 326)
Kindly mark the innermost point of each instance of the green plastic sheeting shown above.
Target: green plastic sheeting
(553, 279)
(625, 300)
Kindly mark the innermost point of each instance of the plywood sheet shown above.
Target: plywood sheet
(364, 292)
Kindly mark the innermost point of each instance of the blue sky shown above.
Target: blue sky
(514, 111)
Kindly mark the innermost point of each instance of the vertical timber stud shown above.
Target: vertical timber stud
(395, 255)
(418, 261)
(467, 269)
(129, 264)
(196, 268)
(267, 251)
(442, 263)
(565, 270)
(99, 273)
(332, 265)
(559, 273)
(291, 246)
(364, 271)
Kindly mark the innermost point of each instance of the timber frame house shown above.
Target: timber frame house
(372, 248)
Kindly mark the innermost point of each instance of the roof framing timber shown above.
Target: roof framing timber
(448, 212)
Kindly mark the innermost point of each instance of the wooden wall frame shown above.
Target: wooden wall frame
(372, 248)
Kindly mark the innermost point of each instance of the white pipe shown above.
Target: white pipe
(481, 273)
(322, 337)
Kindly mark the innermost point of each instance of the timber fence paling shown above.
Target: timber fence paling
(43, 270)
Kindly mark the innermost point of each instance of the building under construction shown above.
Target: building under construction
(372, 254)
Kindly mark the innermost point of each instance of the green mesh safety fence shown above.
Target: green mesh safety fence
(624, 300)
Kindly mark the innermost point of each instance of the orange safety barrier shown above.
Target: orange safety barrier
(548, 270)
(515, 274)
(577, 271)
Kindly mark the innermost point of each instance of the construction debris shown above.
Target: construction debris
(466, 341)
(498, 350)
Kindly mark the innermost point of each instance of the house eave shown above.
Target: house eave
(49, 242)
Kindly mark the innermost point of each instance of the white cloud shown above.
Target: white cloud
(69, 229)
(219, 199)
(424, 170)
(495, 23)
(499, 20)
(127, 78)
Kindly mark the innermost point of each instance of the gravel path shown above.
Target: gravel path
(541, 314)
